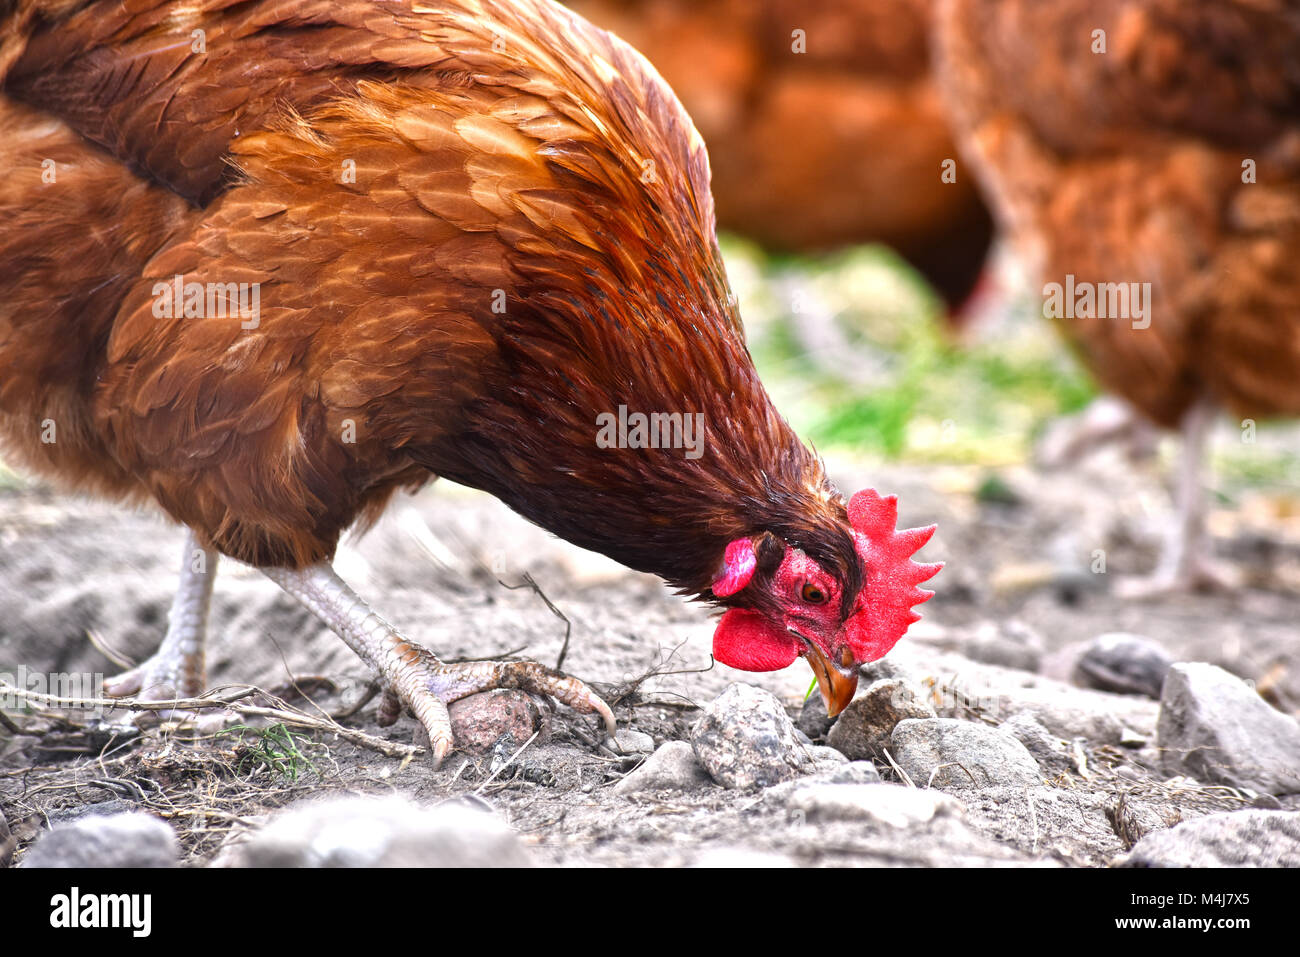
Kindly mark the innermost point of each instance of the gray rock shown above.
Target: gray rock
(1216, 729)
(813, 719)
(67, 815)
(1051, 753)
(893, 805)
(671, 768)
(1231, 839)
(634, 742)
(381, 832)
(1068, 720)
(823, 756)
(1011, 644)
(1123, 663)
(943, 747)
(852, 772)
(108, 840)
(862, 731)
(745, 739)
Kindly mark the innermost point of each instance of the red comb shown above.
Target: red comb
(884, 609)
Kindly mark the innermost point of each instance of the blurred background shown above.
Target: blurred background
(903, 335)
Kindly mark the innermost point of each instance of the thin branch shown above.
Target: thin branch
(227, 698)
(897, 770)
(530, 582)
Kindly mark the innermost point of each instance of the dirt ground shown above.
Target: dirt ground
(1021, 568)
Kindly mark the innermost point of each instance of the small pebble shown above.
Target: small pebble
(382, 832)
(634, 742)
(863, 729)
(746, 740)
(1123, 663)
(673, 767)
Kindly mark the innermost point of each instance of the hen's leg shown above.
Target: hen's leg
(1185, 563)
(178, 668)
(412, 673)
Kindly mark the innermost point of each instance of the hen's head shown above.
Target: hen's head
(789, 606)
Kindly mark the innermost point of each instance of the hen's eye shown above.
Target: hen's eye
(812, 594)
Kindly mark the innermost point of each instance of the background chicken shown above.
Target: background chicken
(1150, 141)
(471, 231)
(840, 142)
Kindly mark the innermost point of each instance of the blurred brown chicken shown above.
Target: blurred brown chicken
(841, 143)
(265, 263)
(1148, 141)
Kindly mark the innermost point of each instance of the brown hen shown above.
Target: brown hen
(1148, 142)
(268, 262)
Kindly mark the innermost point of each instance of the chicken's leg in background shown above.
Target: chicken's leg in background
(413, 676)
(1185, 563)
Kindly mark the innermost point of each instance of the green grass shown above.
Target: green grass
(920, 395)
(276, 751)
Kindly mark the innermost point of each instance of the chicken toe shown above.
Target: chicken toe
(413, 675)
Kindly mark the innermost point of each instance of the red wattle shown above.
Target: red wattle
(749, 641)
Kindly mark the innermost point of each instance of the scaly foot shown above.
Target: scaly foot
(414, 676)
(178, 668)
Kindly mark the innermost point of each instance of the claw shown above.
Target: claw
(440, 751)
(602, 709)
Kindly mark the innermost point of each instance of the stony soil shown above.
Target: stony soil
(1018, 597)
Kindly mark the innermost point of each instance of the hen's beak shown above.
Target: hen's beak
(838, 680)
